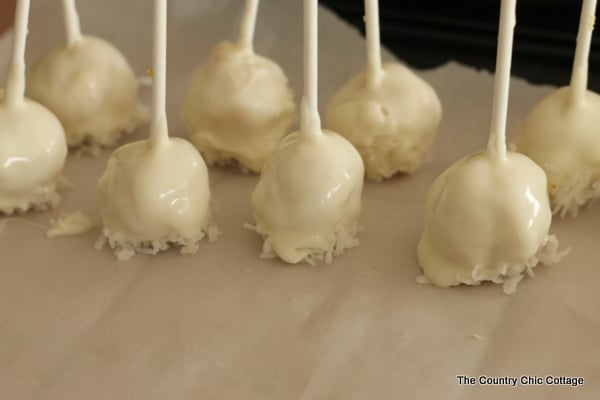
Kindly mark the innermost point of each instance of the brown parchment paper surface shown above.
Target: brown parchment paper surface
(224, 324)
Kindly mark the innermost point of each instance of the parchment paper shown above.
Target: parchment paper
(224, 324)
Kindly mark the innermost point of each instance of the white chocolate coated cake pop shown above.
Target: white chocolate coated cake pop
(239, 105)
(487, 216)
(487, 219)
(155, 193)
(561, 132)
(389, 113)
(32, 140)
(308, 198)
(90, 87)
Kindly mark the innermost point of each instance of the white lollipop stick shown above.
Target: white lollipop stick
(248, 24)
(15, 80)
(497, 141)
(374, 69)
(579, 75)
(310, 122)
(72, 26)
(159, 131)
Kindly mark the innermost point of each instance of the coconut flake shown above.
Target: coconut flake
(70, 224)
(571, 195)
(125, 248)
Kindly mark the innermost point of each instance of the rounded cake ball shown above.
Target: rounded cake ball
(239, 105)
(32, 154)
(153, 197)
(308, 199)
(563, 139)
(391, 124)
(32, 141)
(560, 132)
(92, 90)
(487, 219)
(390, 114)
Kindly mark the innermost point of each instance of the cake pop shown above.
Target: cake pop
(389, 113)
(239, 104)
(155, 193)
(90, 87)
(308, 198)
(561, 134)
(487, 217)
(32, 141)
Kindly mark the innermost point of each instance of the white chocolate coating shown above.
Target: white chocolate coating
(155, 196)
(308, 198)
(92, 90)
(70, 224)
(487, 219)
(32, 154)
(238, 108)
(563, 138)
(392, 123)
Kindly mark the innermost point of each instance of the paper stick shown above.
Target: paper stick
(579, 75)
(159, 131)
(497, 139)
(15, 80)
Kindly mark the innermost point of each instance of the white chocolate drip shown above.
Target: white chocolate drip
(159, 131)
(72, 26)
(579, 75)
(248, 25)
(15, 80)
(497, 140)
(310, 122)
(374, 69)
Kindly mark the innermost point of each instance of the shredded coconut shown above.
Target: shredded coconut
(40, 200)
(69, 224)
(125, 248)
(575, 193)
(91, 139)
(510, 274)
(547, 254)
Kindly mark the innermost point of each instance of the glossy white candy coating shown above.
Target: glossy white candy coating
(564, 139)
(92, 90)
(32, 155)
(308, 198)
(153, 197)
(238, 107)
(392, 123)
(487, 219)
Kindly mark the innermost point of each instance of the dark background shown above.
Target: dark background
(428, 33)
